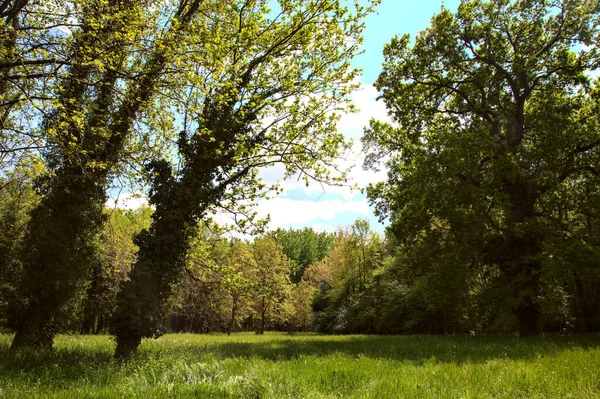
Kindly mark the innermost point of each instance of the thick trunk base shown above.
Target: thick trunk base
(127, 347)
(529, 317)
(32, 337)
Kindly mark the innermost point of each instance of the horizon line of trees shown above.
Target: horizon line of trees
(492, 153)
(187, 98)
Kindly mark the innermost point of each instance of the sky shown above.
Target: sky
(327, 208)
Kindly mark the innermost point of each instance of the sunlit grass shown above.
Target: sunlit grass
(308, 366)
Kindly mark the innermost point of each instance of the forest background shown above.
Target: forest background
(490, 151)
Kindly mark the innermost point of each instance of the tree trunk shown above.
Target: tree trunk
(88, 323)
(232, 320)
(262, 316)
(126, 346)
(37, 334)
(521, 264)
(58, 250)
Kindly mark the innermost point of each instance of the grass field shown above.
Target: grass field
(308, 366)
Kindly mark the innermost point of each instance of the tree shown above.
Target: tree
(493, 118)
(301, 300)
(348, 301)
(116, 254)
(236, 282)
(267, 84)
(214, 292)
(17, 198)
(111, 82)
(303, 247)
(270, 282)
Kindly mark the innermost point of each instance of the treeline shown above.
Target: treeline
(350, 281)
(492, 153)
(228, 284)
(187, 100)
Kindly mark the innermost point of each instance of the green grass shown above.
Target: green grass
(308, 366)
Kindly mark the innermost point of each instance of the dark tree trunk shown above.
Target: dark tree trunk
(58, 251)
(521, 264)
(262, 316)
(88, 324)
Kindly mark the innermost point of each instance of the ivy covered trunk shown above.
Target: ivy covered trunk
(143, 299)
(58, 251)
(180, 201)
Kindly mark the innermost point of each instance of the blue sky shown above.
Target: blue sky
(329, 208)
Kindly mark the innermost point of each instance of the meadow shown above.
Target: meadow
(278, 365)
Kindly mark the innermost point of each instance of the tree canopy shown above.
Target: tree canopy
(493, 152)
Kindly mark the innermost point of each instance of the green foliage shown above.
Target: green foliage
(116, 254)
(303, 247)
(17, 198)
(270, 283)
(349, 301)
(491, 156)
(212, 295)
(264, 87)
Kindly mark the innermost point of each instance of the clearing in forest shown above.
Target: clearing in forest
(277, 365)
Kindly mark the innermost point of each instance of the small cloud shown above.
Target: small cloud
(365, 99)
(127, 200)
(287, 212)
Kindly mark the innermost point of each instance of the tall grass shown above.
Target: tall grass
(308, 366)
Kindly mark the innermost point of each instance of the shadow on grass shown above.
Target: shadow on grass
(417, 349)
(87, 359)
(60, 366)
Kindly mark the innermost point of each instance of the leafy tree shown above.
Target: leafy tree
(349, 301)
(270, 282)
(214, 291)
(301, 298)
(494, 119)
(303, 247)
(268, 82)
(116, 254)
(236, 282)
(111, 81)
(17, 198)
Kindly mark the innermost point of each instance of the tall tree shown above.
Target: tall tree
(493, 117)
(271, 284)
(236, 281)
(303, 247)
(268, 82)
(111, 80)
(116, 253)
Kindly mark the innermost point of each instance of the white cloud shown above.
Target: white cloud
(365, 99)
(127, 200)
(285, 211)
(319, 214)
